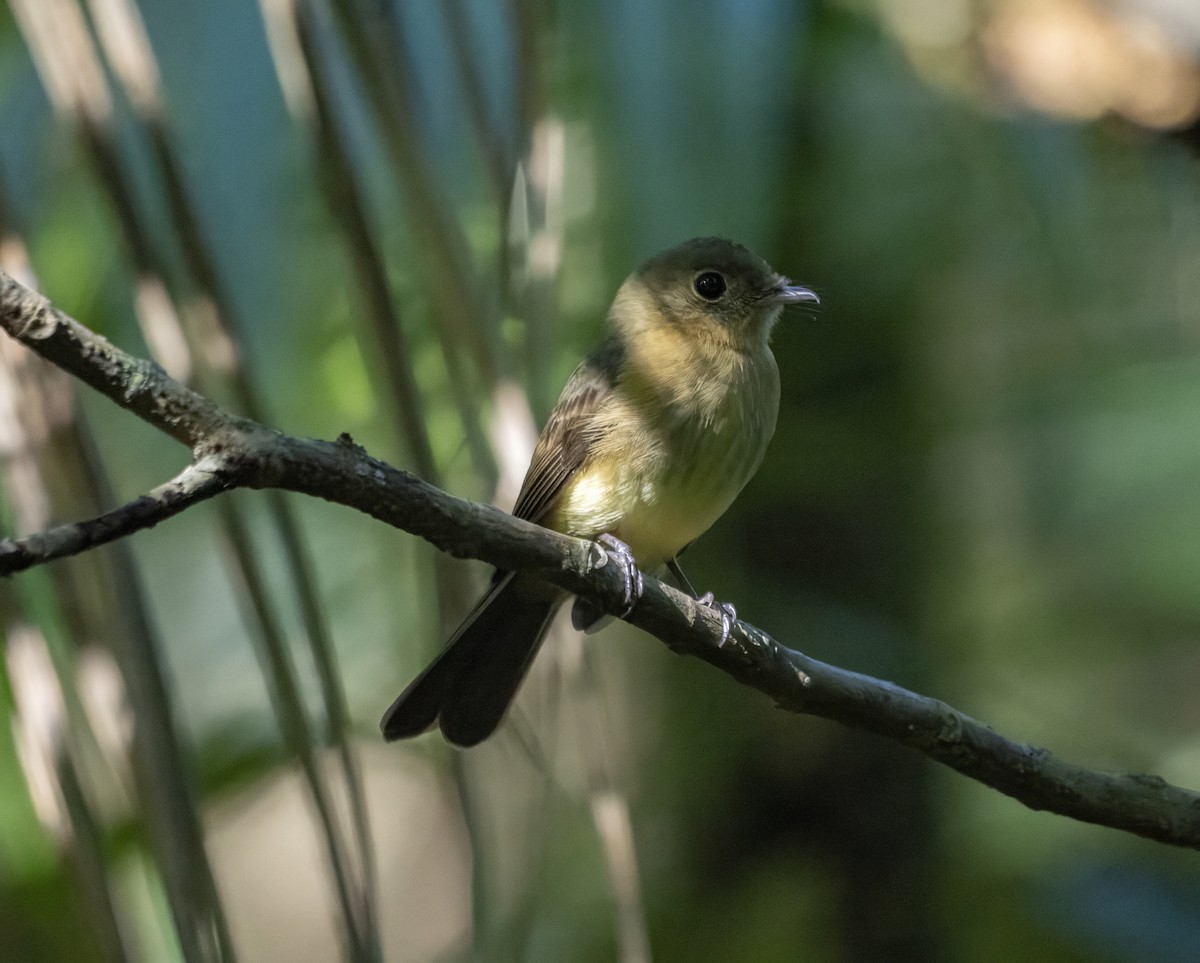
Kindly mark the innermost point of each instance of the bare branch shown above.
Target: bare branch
(194, 484)
(137, 385)
(235, 453)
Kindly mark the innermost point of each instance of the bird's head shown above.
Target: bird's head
(711, 288)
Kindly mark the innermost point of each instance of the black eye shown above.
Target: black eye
(709, 285)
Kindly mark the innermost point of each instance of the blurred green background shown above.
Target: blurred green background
(985, 484)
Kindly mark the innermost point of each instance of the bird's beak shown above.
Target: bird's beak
(785, 293)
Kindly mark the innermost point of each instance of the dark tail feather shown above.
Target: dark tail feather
(469, 686)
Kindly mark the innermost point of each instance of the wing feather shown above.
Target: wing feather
(570, 433)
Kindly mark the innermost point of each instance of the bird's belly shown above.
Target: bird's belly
(658, 531)
(668, 497)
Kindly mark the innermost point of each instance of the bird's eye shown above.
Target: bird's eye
(710, 285)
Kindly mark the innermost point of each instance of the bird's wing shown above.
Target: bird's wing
(565, 442)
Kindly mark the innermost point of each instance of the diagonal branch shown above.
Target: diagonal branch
(137, 385)
(232, 452)
(196, 483)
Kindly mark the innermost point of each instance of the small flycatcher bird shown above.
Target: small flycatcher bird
(651, 440)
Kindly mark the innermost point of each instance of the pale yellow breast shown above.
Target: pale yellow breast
(677, 445)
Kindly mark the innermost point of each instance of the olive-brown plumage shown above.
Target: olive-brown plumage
(650, 441)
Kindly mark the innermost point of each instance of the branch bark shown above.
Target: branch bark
(231, 452)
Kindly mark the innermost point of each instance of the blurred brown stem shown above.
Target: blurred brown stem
(244, 454)
(379, 55)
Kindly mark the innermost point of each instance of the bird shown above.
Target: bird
(652, 438)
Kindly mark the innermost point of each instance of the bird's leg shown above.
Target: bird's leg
(683, 580)
(609, 546)
(728, 612)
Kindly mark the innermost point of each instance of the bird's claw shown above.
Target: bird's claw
(727, 611)
(621, 554)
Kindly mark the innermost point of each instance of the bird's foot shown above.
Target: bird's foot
(609, 546)
(727, 611)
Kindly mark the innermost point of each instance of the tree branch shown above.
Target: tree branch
(136, 384)
(232, 452)
(196, 483)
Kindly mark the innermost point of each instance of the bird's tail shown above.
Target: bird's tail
(468, 688)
